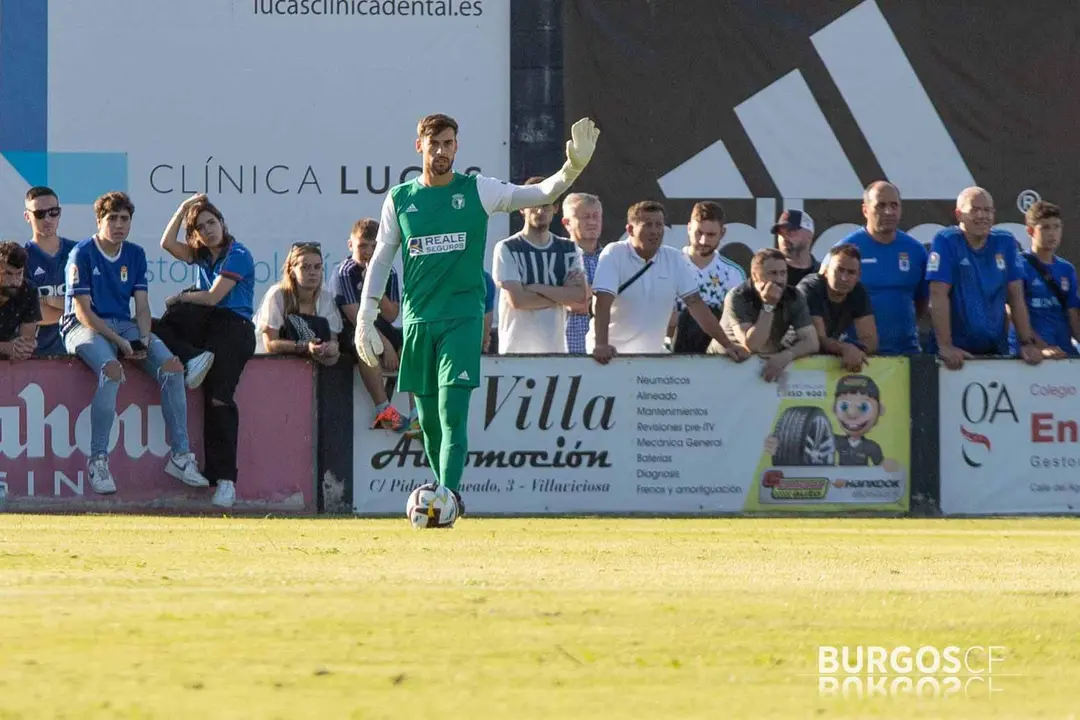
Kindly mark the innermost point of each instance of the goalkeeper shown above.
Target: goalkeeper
(440, 220)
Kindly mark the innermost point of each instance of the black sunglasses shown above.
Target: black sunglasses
(306, 246)
(51, 212)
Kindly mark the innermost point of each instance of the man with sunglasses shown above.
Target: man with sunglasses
(47, 254)
(438, 222)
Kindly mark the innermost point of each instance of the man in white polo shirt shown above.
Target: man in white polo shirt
(636, 282)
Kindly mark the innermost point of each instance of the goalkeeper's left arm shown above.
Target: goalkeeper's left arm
(579, 150)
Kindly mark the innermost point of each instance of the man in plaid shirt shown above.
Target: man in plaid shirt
(583, 219)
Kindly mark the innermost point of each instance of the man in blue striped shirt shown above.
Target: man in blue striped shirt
(583, 219)
(346, 282)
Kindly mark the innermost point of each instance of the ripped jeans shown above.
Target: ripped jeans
(97, 352)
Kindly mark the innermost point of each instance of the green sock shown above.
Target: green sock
(454, 414)
(427, 411)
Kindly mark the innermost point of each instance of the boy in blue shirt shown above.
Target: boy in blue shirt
(47, 254)
(893, 270)
(974, 271)
(1049, 286)
(104, 273)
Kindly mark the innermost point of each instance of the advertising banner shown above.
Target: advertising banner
(1010, 442)
(45, 439)
(670, 435)
(295, 116)
(785, 111)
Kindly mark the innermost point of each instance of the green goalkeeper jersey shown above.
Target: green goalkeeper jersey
(443, 235)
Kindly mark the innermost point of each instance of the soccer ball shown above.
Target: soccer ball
(431, 506)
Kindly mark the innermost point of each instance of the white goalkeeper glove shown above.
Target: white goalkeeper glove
(582, 144)
(367, 341)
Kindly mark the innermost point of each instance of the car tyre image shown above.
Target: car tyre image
(804, 437)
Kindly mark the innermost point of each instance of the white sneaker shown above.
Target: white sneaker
(225, 495)
(101, 480)
(197, 367)
(184, 468)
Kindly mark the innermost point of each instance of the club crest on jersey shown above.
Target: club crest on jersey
(436, 244)
(123, 273)
(905, 263)
(457, 201)
(1000, 260)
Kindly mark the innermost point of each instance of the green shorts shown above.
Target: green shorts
(441, 353)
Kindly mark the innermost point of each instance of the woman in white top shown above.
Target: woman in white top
(298, 315)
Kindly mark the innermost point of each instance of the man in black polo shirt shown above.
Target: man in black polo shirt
(20, 312)
(840, 308)
(759, 313)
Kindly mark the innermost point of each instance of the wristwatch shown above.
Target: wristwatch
(768, 308)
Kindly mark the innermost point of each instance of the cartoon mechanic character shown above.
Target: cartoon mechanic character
(857, 406)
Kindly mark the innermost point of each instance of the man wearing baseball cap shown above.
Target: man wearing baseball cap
(795, 235)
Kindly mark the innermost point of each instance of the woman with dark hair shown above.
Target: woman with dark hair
(298, 315)
(209, 328)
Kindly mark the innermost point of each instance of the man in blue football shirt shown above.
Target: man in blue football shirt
(47, 254)
(974, 272)
(1049, 286)
(104, 273)
(893, 270)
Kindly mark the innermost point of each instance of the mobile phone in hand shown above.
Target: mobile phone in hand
(137, 346)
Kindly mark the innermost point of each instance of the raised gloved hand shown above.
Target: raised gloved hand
(368, 343)
(582, 143)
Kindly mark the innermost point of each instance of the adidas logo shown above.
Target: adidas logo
(411, 208)
(463, 375)
(96, 272)
(39, 271)
(801, 151)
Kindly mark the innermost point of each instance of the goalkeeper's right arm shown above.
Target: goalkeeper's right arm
(367, 340)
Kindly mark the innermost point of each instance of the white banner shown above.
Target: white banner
(1009, 438)
(295, 116)
(657, 435)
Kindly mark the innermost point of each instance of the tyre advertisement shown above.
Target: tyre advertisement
(660, 435)
(840, 440)
(1010, 442)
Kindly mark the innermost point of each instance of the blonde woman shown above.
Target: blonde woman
(298, 315)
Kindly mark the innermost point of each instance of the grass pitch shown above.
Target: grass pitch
(170, 618)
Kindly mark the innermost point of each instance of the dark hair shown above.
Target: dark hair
(432, 125)
(763, 256)
(40, 191)
(707, 210)
(114, 201)
(191, 217)
(847, 250)
(1041, 210)
(13, 254)
(636, 210)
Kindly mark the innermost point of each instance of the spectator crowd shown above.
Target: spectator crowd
(558, 291)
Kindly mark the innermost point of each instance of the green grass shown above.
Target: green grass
(206, 618)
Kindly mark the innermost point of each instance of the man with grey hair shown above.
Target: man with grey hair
(974, 271)
(583, 218)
